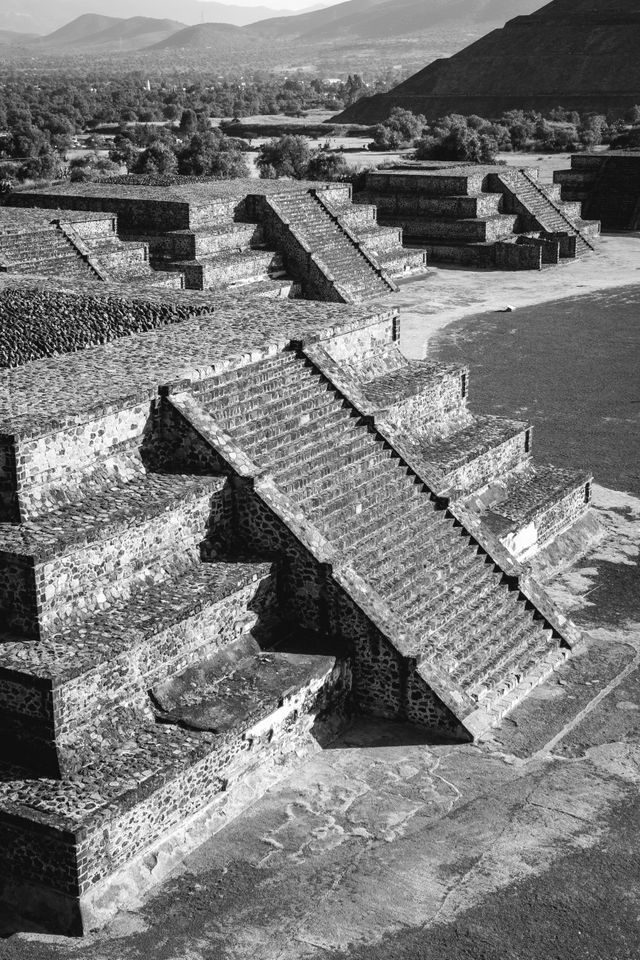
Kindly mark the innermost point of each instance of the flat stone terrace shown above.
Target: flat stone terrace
(450, 168)
(60, 390)
(19, 218)
(178, 190)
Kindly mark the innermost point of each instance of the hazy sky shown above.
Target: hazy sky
(280, 4)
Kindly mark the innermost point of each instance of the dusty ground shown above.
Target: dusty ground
(525, 847)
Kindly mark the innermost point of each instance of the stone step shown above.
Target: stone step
(362, 542)
(530, 507)
(516, 650)
(238, 265)
(297, 476)
(477, 454)
(395, 566)
(355, 504)
(49, 687)
(273, 288)
(60, 566)
(310, 440)
(438, 392)
(374, 468)
(160, 776)
(246, 415)
(403, 262)
(237, 385)
(454, 595)
(258, 436)
(427, 603)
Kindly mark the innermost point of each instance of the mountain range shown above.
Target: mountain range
(579, 54)
(44, 16)
(354, 20)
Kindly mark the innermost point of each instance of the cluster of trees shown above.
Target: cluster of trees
(476, 139)
(61, 105)
(291, 156)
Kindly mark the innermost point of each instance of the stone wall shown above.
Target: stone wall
(137, 215)
(517, 256)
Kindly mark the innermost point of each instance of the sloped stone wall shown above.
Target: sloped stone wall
(41, 324)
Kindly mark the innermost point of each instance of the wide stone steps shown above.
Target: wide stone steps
(331, 244)
(239, 384)
(275, 410)
(234, 687)
(549, 215)
(529, 507)
(441, 602)
(368, 505)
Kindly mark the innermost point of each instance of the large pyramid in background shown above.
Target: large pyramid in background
(581, 54)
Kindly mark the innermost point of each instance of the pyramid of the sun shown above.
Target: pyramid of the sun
(581, 54)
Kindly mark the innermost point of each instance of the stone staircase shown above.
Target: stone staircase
(479, 215)
(118, 261)
(43, 250)
(548, 213)
(456, 607)
(354, 273)
(77, 249)
(200, 578)
(383, 243)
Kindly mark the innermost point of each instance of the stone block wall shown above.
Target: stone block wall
(37, 467)
(495, 462)
(135, 215)
(517, 256)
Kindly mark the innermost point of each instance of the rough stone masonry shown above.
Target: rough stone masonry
(225, 530)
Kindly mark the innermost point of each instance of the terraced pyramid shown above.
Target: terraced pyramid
(218, 539)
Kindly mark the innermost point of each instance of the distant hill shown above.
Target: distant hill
(209, 36)
(94, 32)
(581, 54)
(45, 16)
(104, 34)
(80, 29)
(384, 19)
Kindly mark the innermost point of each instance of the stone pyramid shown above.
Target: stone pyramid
(580, 54)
